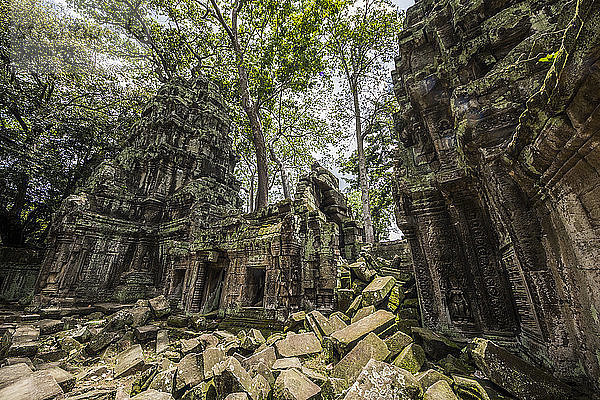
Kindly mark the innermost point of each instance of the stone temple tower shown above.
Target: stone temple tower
(111, 239)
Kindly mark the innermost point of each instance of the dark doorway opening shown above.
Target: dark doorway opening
(178, 279)
(213, 286)
(255, 286)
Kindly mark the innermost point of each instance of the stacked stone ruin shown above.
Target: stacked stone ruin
(164, 217)
(497, 182)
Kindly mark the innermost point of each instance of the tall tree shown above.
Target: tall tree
(63, 106)
(360, 42)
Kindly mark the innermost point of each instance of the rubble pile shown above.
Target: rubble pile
(371, 349)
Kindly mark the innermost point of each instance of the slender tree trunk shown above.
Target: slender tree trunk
(363, 178)
(285, 182)
(251, 199)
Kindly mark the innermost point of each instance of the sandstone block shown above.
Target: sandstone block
(440, 390)
(397, 342)
(514, 374)
(411, 358)
(362, 271)
(211, 357)
(435, 346)
(363, 312)
(286, 363)
(319, 324)
(146, 333)
(298, 345)
(12, 373)
(39, 385)
(129, 361)
(232, 377)
(152, 394)
(192, 345)
(266, 356)
(160, 306)
(50, 326)
(377, 290)
(162, 341)
(190, 371)
(295, 320)
(237, 396)
(64, 379)
(382, 381)
(431, 376)
(376, 323)
(164, 381)
(349, 367)
(140, 315)
(291, 384)
(354, 306)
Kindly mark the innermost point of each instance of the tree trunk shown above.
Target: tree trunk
(285, 182)
(363, 179)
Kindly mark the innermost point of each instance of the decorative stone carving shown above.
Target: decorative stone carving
(497, 183)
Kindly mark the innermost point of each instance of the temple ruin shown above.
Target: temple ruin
(498, 189)
(164, 217)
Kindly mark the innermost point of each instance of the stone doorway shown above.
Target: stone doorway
(213, 286)
(255, 286)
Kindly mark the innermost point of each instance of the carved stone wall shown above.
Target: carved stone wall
(113, 238)
(164, 217)
(497, 175)
(19, 268)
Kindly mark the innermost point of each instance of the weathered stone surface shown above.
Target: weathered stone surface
(146, 333)
(515, 375)
(237, 396)
(431, 376)
(362, 271)
(152, 394)
(349, 367)
(382, 381)
(39, 385)
(192, 345)
(49, 326)
(160, 306)
(440, 390)
(377, 322)
(162, 341)
(12, 373)
(202, 391)
(291, 384)
(338, 321)
(24, 342)
(496, 184)
(363, 312)
(140, 315)
(411, 358)
(377, 290)
(65, 379)
(261, 387)
(286, 363)
(211, 357)
(319, 324)
(190, 371)
(164, 381)
(435, 346)
(232, 377)
(266, 356)
(397, 342)
(298, 345)
(129, 361)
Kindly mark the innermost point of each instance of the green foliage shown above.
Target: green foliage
(65, 103)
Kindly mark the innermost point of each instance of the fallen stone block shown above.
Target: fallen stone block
(376, 323)
(295, 321)
(160, 306)
(314, 376)
(440, 390)
(468, 388)
(129, 361)
(376, 292)
(262, 369)
(146, 333)
(140, 315)
(162, 341)
(65, 379)
(178, 321)
(24, 342)
(434, 345)
(12, 373)
(50, 326)
(411, 358)
(337, 322)
(260, 387)
(286, 363)
(211, 357)
(191, 346)
(298, 345)
(293, 385)
(119, 321)
(430, 377)
(362, 271)
(266, 356)
(164, 381)
(237, 396)
(152, 394)
(39, 385)
(232, 377)
(190, 371)
(354, 306)
(363, 312)
(382, 381)
(349, 367)
(397, 342)
(514, 374)
(318, 324)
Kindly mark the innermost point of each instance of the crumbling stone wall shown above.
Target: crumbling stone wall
(19, 268)
(497, 182)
